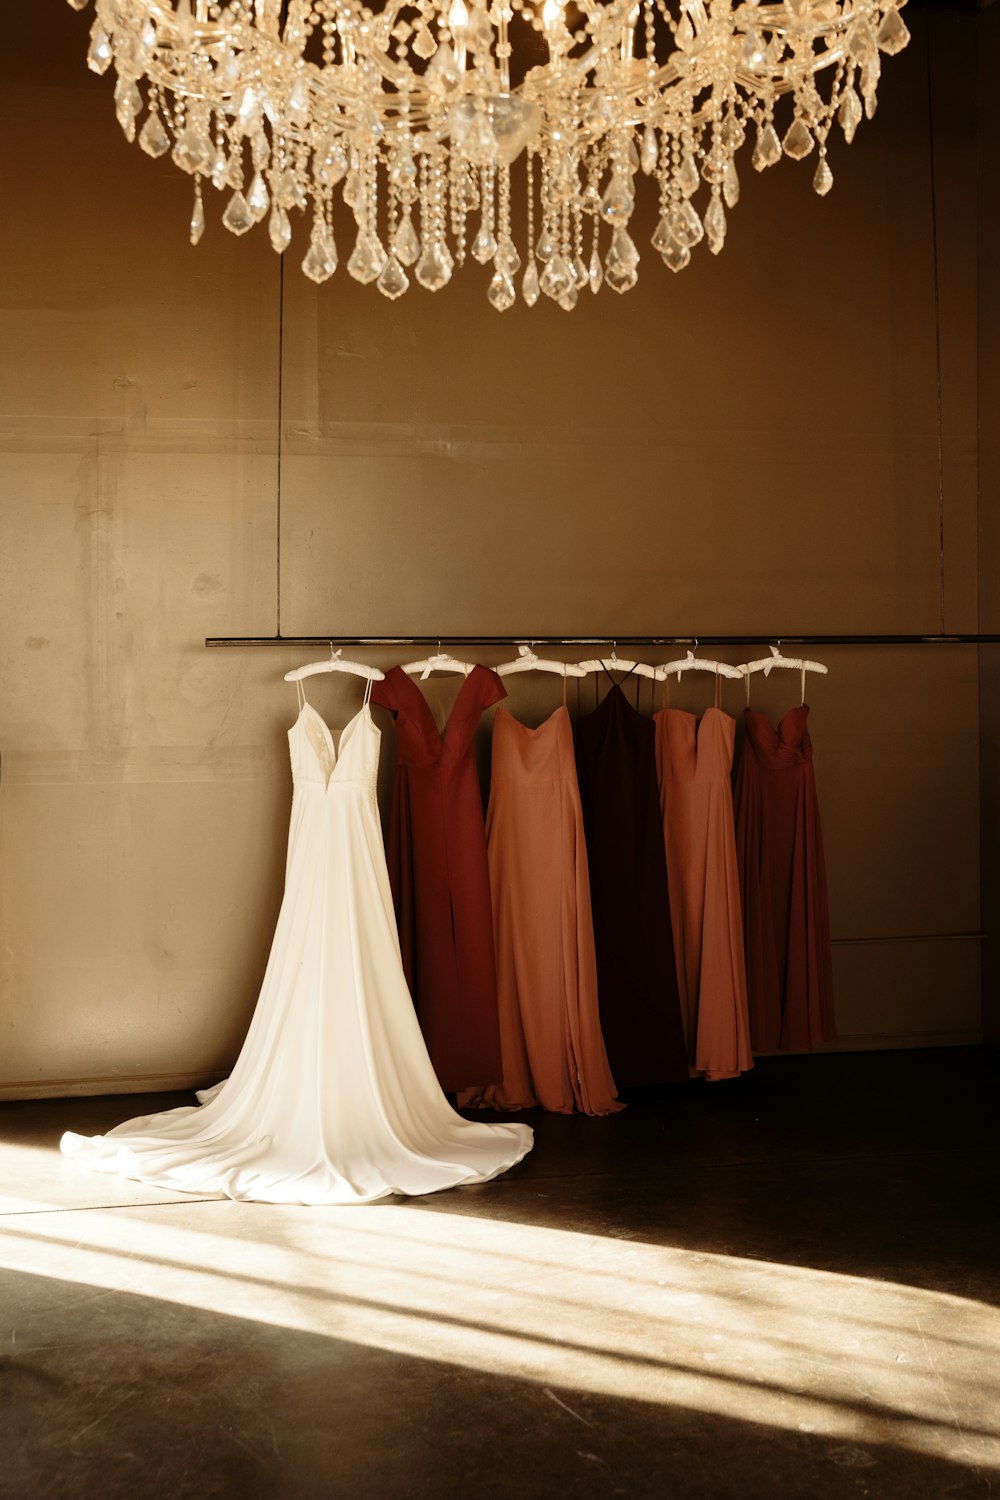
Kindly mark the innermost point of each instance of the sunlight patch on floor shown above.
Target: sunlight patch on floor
(799, 1349)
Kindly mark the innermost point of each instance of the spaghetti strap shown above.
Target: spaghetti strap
(628, 674)
(564, 686)
(665, 696)
(718, 690)
(368, 692)
(300, 693)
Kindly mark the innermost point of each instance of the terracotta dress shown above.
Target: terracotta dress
(695, 759)
(636, 973)
(440, 879)
(783, 886)
(550, 1029)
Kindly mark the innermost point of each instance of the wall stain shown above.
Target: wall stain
(207, 583)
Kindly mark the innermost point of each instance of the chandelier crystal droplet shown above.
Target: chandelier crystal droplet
(502, 132)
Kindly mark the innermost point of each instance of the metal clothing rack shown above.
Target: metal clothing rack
(957, 639)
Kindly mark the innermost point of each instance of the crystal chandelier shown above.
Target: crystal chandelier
(452, 128)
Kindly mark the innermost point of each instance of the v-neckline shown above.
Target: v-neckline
(338, 745)
(441, 735)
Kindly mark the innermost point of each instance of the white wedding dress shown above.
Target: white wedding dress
(333, 1098)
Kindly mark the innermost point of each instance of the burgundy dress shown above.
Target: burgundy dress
(440, 878)
(636, 973)
(786, 924)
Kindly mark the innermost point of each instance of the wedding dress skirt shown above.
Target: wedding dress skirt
(333, 1098)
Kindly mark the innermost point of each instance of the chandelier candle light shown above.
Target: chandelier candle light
(428, 117)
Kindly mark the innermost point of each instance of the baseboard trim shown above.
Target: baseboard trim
(163, 1083)
(139, 1083)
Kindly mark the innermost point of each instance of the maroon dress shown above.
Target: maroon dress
(786, 924)
(636, 974)
(440, 878)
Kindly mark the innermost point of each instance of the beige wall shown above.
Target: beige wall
(752, 446)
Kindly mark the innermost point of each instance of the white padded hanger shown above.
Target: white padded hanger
(692, 663)
(615, 663)
(439, 662)
(335, 663)
(527, 661)
(767, 664)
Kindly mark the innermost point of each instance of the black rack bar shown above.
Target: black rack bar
(961, 639)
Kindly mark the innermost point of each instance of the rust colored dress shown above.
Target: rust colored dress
(550, 1029)
(636, 972)
(783, 886)
(695, 760)
(440, 879)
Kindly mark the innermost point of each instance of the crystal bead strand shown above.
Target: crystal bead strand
(529, 282)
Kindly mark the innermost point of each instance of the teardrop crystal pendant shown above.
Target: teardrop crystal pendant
(279, 229)
(568, 299)
(321, 258)
(798, 140)
(618, 201)
(861, 40)
(393, 281)
(501, 292)
(405, 243)
(433, 269)
(99, 55)
(507, 258)
(650, 151)
(153, 137)
(557, 278)
(685, 226)
(676, 256)
(849, 114)
(621, 262)
(662, 235)
(465, 194)
(581, 275)
(596, 271)
(870, 74)
(197, 228)
(367, 259)
(715, 225)
(237, 217)
(484, 246)
(529, 284)
(731, 185)
(258, 198)
(193, 151)
(767, 151)
(424, 44)
(353, 189)
(545, 248)
(333, 165)
(823, 177)
(128, 103)
(688, 176)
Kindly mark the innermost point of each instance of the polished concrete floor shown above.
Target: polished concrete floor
(786, 1286)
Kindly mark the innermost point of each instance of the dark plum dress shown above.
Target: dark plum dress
(636, 974)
